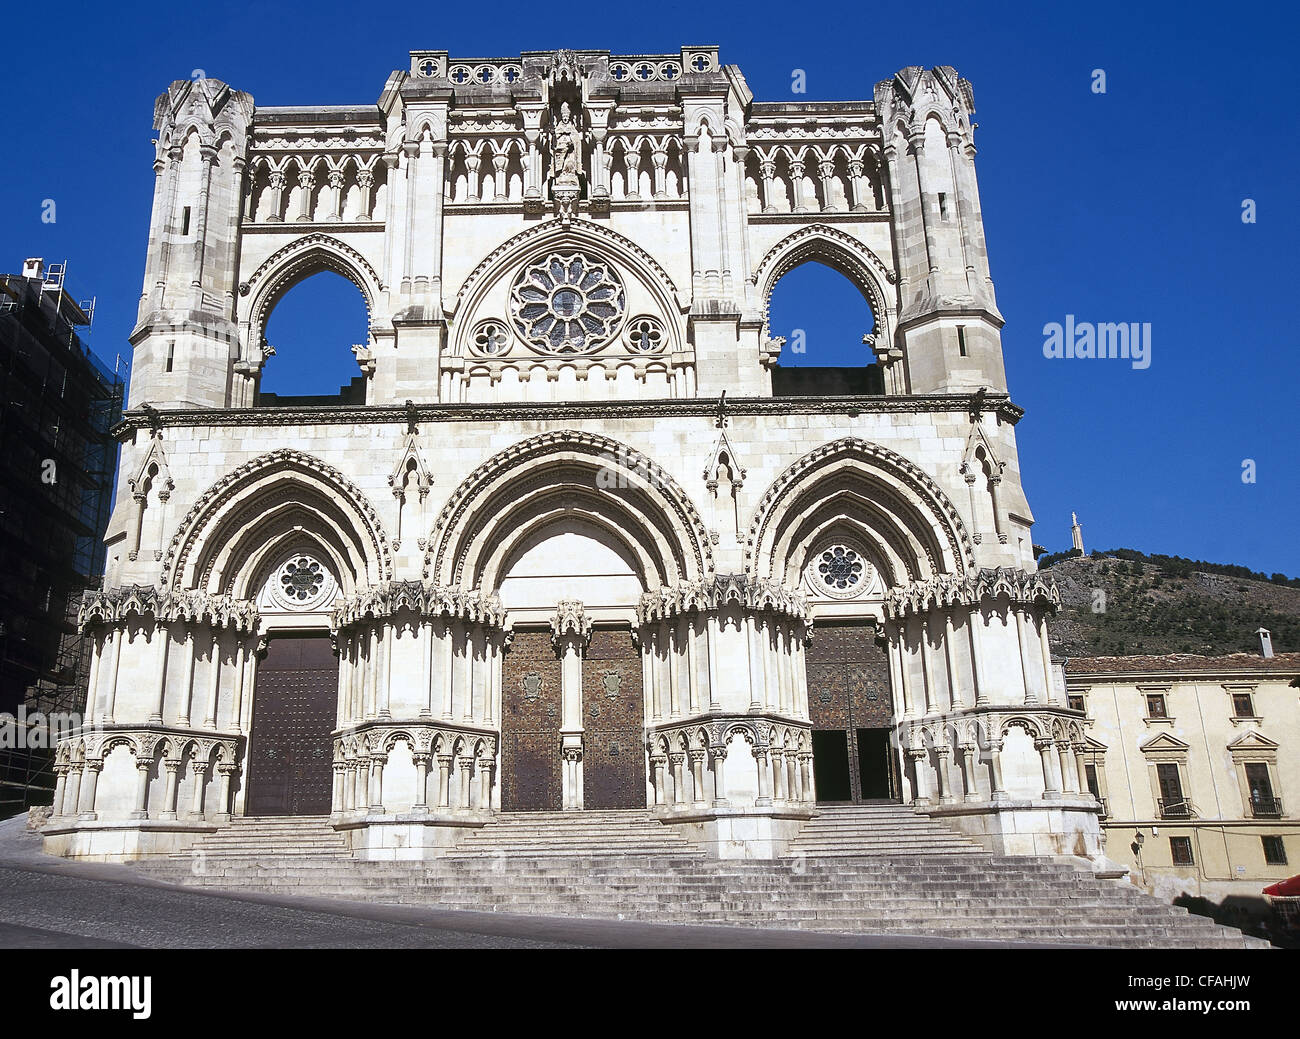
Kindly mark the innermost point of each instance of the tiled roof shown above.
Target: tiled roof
(1182, 663)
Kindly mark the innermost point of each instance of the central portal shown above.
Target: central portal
(290, 759)
(851, 709)
(613, 718)
(531, 716)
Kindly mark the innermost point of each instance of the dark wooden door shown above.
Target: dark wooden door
(530, 725)
(613, 718)
(851, 708)
(291, 760)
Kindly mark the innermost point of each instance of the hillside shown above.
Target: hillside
(1166, 607)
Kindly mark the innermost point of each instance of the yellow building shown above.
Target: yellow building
(1195, 762)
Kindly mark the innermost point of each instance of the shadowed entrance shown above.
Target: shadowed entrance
(290, 769)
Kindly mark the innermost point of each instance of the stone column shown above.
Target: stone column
(377, 762)
(698, 758)
(796, 185)
(110, 701)
(214, 680)
(659, 763)
(187, 685)
(199, 772)
(942, 754)
(807, 792)
(675, 761)
(466, 773)
(1047, 661)
(60, 787)
(764, 786)
(366, 182)
(778, 774)
(711, 646)
(306, 181)
(467, 712)
(72, 793)
(447, 671)
(444, 781)
(1051, 781)
(949, 653)
(338, 791)
(920, 795)
(995, 760)
(421, 783)
(927, 677)
(767, 173)
(426, 666)
(172, 767)
(160, 682)
(335, 180)
(385, 673)
(1069, 781)
(1081, 770)
(485, 784)
(349, 785)
(141, 810)
(1031, 694)
(719, 755)
(968, 772)
(90, 770)
(225, 771)
(858, 187)
(674, 668)
(826, 174)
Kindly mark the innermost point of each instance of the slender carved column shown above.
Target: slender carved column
(764, 787)
(366, 182)
(163, 635)
(674, 677)
(675, 761)
(1051, 781)
(60, 787)
(692, 670)
(444, 780)
(918, 755)
(110, 701)
(142, 769)
(467, 711)
(1069, 779)
(172, 767)
(199, 773)
(967, 751)
(349, 785)
(942, 755)
(1031, 693)
(72, 793)
(659, 762)
(995, 760)
(377, 762)
(90, 770)
(698, 758)
(187, 683)
(485, 784)
(949, 650)
(767, 173)
(466, 774)
(711, 646)
(778, 775)
(448, 666)
(807, 792)
(225, 771)
(973, 622)
(338, 792)
(927, 677)
(214, 679)
(426, 667)
(421, 782)
(306, 181)
(719, 755)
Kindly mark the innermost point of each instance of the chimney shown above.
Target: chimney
(34, 267)
(1265, 643)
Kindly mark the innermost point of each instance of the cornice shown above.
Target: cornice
(523, 411)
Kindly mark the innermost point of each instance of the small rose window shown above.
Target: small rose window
(301, 578)
(840, 568)
(491, 338)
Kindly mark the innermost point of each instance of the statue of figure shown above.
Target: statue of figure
(566, 149)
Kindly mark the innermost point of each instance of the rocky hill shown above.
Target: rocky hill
(1122, 606)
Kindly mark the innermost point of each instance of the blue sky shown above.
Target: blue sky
(1117, 207)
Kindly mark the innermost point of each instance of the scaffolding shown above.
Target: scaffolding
(58, 404)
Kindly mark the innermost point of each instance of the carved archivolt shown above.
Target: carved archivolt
(615, 471)
(269, 471)
(930, 516)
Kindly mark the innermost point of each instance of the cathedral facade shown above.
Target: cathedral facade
(573, 539)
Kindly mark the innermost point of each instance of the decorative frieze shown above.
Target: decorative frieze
(114, 605)
(718, 591)
(947, 590)
(471, 606)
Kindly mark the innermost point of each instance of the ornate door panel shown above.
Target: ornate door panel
(613, 718)
(290, 766)
(530, 725)
(848, 693)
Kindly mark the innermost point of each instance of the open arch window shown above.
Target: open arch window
(316, 337)
(824, 329)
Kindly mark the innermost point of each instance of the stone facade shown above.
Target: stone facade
(1194, 761)
(569, 428)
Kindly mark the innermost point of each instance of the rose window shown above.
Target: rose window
(301, 578)
(840, 568)
(567, 304)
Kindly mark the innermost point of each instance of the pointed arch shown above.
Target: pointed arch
(260, 507)
(911, 522)
(839, 251)
(567, 474)
(295, 262)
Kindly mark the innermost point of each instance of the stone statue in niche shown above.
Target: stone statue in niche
(566, 147)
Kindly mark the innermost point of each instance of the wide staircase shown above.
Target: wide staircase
(879, 870)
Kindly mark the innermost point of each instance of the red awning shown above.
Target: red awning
(1285, 888)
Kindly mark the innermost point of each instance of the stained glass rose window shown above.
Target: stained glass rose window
(567, 304)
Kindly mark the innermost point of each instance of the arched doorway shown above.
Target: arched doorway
(850, 705)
